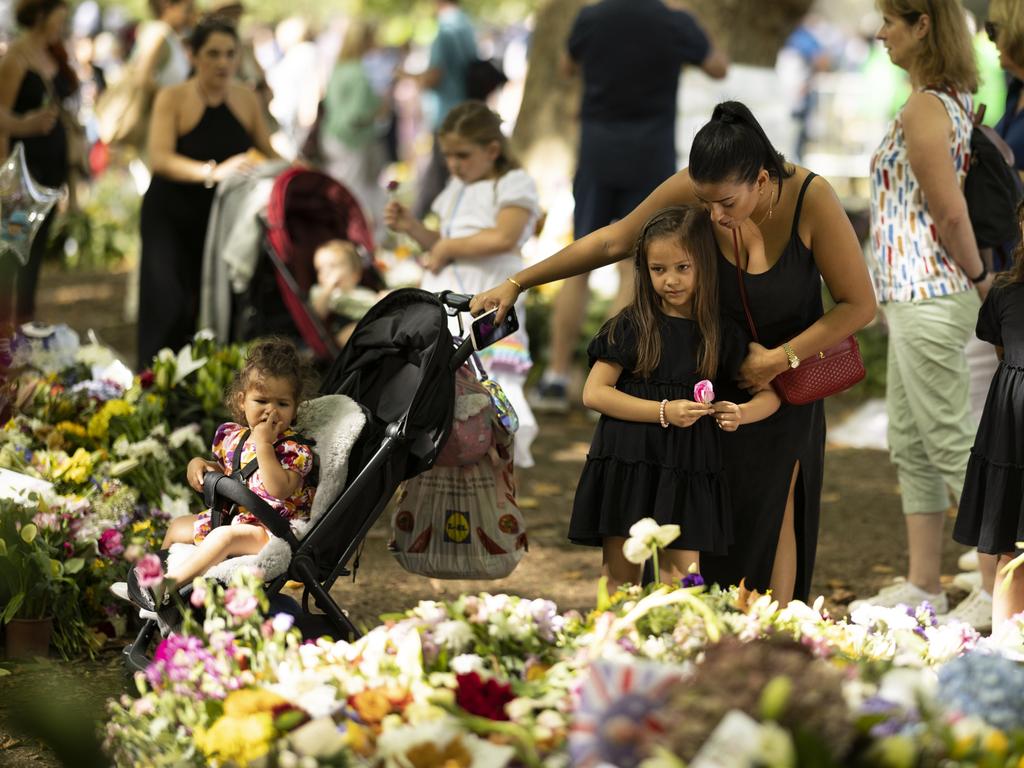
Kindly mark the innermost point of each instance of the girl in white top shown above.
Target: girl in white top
(487, 211)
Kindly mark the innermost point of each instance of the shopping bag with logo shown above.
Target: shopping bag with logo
(462, 522)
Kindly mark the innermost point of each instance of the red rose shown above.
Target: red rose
(483, 698)
(146, 378)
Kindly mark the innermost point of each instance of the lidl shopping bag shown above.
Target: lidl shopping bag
(461, 522)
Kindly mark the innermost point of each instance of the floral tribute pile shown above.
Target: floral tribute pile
(659, 677)
(104, 453)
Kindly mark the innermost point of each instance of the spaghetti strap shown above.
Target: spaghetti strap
(800, 204)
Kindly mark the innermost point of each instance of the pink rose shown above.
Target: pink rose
(703, 391)
(240, 603)
(149, 571)
(198, 598)
(110, 543)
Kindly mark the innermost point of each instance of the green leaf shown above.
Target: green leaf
(29, 532)
(74, 565)
(603, 600)
(3, 547)
(13, 606)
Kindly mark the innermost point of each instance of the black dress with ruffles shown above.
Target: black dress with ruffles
(760, 457)
(175, 215)
(636, 470)
(991, 514)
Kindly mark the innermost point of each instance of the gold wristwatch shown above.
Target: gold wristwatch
(794, 361)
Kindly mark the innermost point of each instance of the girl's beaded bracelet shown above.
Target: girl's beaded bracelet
(661, 414)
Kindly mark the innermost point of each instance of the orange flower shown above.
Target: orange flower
(372, 705)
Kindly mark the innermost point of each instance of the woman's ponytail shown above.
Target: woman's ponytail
(732, 146)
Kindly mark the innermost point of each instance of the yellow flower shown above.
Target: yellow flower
(141, 525)
(995, 742)
(99, 424)
(77, 469)
(252, 701)
(239, 740)
(70, 428)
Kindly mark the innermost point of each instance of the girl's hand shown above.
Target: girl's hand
(760, 367)
(270, 426)
(398, 217)
(728, 415)
(437, 258)
(685, 413)
(196, 471)
(501, 296)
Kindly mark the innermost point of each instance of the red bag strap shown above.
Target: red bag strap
(743, 288)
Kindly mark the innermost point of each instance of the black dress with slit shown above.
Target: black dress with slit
(991, 514)
(636, 470)
(760, 457)
(175, 215)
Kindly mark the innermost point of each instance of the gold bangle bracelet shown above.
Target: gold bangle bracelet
(516, 283)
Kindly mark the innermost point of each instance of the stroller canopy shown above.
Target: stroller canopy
(398, 365)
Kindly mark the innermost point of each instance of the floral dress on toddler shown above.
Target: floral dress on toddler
(294, 455)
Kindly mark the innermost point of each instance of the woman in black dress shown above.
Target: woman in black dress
(202, 131)
(792, 233)
(36, 77)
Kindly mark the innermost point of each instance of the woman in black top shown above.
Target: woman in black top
(792, 231)
(35, 76)
(202, 131)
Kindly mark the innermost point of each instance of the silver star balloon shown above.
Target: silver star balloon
(23, 205)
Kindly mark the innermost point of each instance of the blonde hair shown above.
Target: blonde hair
(1008, 16)
(357, 40)
(946, 58)
(346, 250)
(475, 122)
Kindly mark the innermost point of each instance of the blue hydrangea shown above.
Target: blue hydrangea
(986, 685)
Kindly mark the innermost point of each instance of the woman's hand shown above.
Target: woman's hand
(685, 413)
(501, 296)
(40, 122)
(398, 217)
(728, 415)
(760, 367)
(240, 163)
(196, 471)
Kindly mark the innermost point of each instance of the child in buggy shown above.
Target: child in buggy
(385, 413)
(275, 460)
(337, 296)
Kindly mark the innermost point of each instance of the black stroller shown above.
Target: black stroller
(399, 369)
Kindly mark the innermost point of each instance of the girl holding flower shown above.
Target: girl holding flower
(653, 453)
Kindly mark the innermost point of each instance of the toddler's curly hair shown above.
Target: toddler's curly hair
(273, 356)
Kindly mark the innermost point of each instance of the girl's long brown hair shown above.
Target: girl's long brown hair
(475, 122)
(690, 226)
(1016, 272)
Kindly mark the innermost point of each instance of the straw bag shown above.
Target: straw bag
(830, 371)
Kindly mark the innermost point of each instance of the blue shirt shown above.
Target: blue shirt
(1011, 124)
(452, 51)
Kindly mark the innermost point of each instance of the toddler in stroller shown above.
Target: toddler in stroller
(337, 296)
(386, 411)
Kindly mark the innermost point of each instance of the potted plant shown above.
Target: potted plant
(35, 587)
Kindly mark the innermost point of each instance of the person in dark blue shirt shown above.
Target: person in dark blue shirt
(630, 54)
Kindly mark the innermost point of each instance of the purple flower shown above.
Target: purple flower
(703, 391)
(692, 580)
(149, 571)
(110, 543)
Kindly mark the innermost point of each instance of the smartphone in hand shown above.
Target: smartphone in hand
(485, 331)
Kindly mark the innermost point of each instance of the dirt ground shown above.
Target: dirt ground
(861, 546)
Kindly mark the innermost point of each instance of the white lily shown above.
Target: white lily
(646, 537)
(184, 365)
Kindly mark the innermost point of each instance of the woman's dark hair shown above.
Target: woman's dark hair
(207, 27)
(270, 357)
(29, 12)
(157, 7)
(690, 226)
(1016, 271)
(732, 146)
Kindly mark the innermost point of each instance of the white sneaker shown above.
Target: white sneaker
(968, 581)
(968, 561)
(902, 592)
(975, 609)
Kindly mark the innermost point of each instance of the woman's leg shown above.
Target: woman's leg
(615, 566)
(180, 531)
(676, 563)
(222, 543)
(1006, 604)
(783, 580)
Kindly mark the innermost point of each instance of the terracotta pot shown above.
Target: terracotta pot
(28, 637)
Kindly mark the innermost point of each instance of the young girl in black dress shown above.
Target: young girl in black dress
(653, 453)
(991, 514)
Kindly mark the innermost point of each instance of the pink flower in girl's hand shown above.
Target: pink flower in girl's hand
(703, 391)
(392, 186)
(149, 571)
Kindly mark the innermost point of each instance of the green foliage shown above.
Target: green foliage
(104, 231)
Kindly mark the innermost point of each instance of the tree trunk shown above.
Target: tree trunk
(750, 31)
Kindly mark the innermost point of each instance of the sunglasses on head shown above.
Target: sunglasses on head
(992, 30)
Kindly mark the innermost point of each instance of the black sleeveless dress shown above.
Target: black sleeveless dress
(47, 159)
(175, 215)
(759, 457)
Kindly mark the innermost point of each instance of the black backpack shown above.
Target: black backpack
(992, 188)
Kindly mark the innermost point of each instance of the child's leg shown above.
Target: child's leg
(221, 543)
(179, 531)
(675, 564)
(615, 566)
(1011, 602)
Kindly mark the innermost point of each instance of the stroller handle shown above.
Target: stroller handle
(217, 486)
(457, 301)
